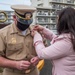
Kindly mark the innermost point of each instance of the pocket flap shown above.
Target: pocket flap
(15, 46)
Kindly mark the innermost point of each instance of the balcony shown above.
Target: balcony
(43, 12)
(49, 16)
(46, 23)
(61, 3)
(42, 22)
(56, 1)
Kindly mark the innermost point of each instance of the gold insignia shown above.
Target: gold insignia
(13, 40)
(28, 16)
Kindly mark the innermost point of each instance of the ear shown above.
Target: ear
(15, 18)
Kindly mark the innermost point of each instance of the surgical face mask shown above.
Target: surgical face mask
(26, 22)
(23, 24)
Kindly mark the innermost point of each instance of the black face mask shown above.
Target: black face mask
(21, 26)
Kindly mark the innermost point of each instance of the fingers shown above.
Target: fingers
(35, 28)
(21, 65)
(34, 61)
(38, 27)
(26, 62)
(33, 32)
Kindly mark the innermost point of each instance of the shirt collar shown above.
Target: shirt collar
(15, 30)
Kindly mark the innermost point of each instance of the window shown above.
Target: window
(43, 12)
(43, 19)
(54, 13)
(40, 4)
(55, 6)
(53, 20)
(70, 1)
(38, 0)
(46, 13)
(53, 27)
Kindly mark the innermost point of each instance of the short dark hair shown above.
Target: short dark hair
(66, 23)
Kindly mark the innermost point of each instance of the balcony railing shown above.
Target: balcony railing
(40, 22)
(45, 15)
(62, 3)
(55, 0)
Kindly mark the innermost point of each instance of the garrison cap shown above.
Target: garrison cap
(21, 9)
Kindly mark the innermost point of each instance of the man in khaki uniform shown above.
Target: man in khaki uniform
(17, 54)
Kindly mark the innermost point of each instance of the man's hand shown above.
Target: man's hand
(22, 65)
(34, 61)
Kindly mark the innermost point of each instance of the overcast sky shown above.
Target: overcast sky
(5, 4)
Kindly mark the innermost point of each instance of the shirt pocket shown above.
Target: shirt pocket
(13, 48)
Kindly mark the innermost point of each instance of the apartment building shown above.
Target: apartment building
(46, 13)
(47, 10)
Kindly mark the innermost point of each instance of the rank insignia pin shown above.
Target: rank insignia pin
(13, 40)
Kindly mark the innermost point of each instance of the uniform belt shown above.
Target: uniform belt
(20, 71)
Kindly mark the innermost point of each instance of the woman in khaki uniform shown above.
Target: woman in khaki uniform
(17, 54)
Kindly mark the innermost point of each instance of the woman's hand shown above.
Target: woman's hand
(38, 28)
(34, 61)
(33, 32)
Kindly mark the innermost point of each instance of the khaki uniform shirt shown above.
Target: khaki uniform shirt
(14, 45)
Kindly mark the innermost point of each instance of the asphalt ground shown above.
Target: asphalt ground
(47, 69)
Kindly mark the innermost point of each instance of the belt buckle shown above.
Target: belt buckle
(28, 71)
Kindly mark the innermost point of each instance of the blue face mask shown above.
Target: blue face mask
(26, 22)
